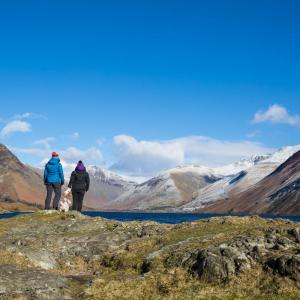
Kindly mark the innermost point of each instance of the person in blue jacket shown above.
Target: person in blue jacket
(53, 179)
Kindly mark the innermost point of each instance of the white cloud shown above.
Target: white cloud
(15, 126)
(147, 158)
(74, 136)
(254, 134)
(46, 142)
(71, 154)
(44, 151)
(75, 154)
(69, 157)
(67, 167)
(276, 114)
(36, 152)
(17, 123)
(100, 141)
(28, 115)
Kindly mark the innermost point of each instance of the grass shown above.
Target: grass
(118, 274)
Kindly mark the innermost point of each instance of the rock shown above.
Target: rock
(42, 259)
(286, 265)
(284, 243)
(31, 283)
(295, 232)
(219, 263)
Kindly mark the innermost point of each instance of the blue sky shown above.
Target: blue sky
(135, 85)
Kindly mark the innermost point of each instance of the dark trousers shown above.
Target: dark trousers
(56, 187)
(77, 200)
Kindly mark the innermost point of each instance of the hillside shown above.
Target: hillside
(277, 193)
(19, 183)
(167, 191)
(232, 185)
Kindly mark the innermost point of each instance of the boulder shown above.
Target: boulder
(286, 265)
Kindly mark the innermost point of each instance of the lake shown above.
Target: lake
(167, 218)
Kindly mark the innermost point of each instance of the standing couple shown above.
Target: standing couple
(54, 180)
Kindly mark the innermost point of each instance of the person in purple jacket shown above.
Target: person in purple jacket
(79, 184)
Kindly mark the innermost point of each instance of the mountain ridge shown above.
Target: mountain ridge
(188, 188)
(261, 197)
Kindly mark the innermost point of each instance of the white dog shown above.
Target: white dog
(65, 203)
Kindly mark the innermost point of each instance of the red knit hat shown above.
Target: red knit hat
(54, 154)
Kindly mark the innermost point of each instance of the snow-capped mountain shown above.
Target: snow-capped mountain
(168, 190)
(242, 165)
(192, 187)
(178, 186)
(282, 154)
(105, 187)
(256, 169)
(108, 176)
(276, 194)
(221, 171)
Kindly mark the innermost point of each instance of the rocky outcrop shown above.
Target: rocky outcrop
(50, 255)
(286, 265)
(230, 259)
(32, 284)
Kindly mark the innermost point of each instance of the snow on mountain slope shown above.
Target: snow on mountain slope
(276, 194)
(182, 185)
(242, 165)
(282, 154)
(105, 187)
(188, 187)
(227, 170)
(110, 177)
(255, 170)
(167, 191)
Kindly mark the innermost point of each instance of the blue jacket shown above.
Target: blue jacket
(54, 172)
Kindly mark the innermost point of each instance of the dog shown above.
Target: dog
(65, 202)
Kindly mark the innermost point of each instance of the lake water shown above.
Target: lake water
(168, 218)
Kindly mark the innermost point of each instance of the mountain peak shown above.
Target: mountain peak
(282, 154)
(8, 159)
(292, 162)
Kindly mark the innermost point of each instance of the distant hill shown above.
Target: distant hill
(19, 183)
